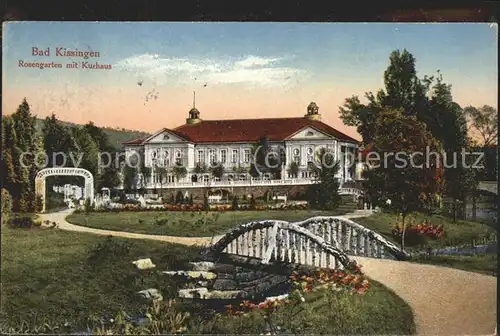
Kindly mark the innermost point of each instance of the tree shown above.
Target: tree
(293, 169)
(180, 172)
(129, 175)
(88, 149)
(24, 128)
(410, 181)
(324, 193)
(217, 170)
(483, 120)
(266, 161)
(403, 90)
(234, 204)
(161, 175)
(179, 198)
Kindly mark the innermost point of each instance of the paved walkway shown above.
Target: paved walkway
(445, 301)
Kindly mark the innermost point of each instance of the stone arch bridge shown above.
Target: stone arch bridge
(256, 259)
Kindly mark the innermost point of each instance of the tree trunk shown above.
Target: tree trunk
(404, 232)
(454, 210)
(474, 207)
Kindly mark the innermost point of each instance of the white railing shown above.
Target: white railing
(350, 191)
(228, 184)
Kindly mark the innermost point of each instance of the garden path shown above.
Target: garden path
(445, 301)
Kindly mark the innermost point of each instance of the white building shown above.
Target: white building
(231, 144)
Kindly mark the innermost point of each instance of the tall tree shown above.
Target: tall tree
(484, 122)
(88, 150)
(324, 194)
(25, 130)
(403, 90)
(409, 180)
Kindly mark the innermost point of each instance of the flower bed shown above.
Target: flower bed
(425, 229)
(199, 207)
(304, 281)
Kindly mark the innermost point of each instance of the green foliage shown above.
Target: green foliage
(206, 205)
(6, 204)
(129, 175)
(234, 204)
(200, 168)
(217, 170)
(191, 201)
(483, 121)
(252, 202)
(293, 169)
(106, 249)
(24, 222)
(323, 195)
(179, 172)
(88, 206)
(179, 198)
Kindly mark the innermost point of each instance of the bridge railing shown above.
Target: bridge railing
(280, 241)
(353, 238)
(318, 241)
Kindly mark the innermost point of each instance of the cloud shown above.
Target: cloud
(251, 70)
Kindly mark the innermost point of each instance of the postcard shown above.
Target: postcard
(249, 178)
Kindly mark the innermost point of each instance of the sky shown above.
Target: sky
(238, 70)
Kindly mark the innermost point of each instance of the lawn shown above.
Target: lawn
(57, 277)
(48, 276)
(456, 233)
(186, 224)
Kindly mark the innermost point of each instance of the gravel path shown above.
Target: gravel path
(445, 301)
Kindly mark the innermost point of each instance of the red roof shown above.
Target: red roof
(250, 130)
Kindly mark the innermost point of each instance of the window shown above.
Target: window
(201, 158)
(223, 155)
(166, 137)
(178, 158)
(309, 133)
(296, 152)
(247, 155)
(235, 158)
(309, 151)
(212, 156)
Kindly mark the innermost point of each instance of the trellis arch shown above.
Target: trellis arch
(273, 240)
(64, 171)
(352, 237)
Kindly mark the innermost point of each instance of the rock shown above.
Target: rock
(193, 293)
(208, 266)
(193, 274)
(225, 276)
(144, 264)
(225, 284)
(202, 266)
(224, 295)
(151, 294)
(250, 276)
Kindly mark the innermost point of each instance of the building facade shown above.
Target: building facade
(187, 154)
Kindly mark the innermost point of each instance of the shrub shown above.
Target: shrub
(179, 198)
(234, 205)
(6, 204)
(109, 248)
(206, 206)
(191, 202)
(22, 222)
(252, 202)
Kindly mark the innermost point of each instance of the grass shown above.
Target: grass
(186, 224)
(484, 264)
(47, 273)
(456, 233)
(379, 312)
(51, 276)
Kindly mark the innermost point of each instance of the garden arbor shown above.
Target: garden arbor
(88, 192)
